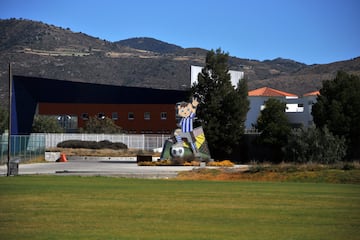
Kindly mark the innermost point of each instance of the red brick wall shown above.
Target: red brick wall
(138, 125)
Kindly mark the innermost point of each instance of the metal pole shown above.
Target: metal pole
(9, 123)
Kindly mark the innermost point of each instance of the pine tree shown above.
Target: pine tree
(273, 123)
(274, 127)
(223, 108)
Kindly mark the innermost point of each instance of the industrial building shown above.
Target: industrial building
(135, 109)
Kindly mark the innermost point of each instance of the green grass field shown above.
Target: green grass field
(58, 207)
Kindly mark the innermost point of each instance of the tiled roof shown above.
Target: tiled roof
(270, 92)
(315, 93)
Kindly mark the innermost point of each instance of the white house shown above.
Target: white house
(298, 109)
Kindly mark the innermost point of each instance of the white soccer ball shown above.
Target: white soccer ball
(177, 151)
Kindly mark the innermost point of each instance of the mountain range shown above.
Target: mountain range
(42, 50)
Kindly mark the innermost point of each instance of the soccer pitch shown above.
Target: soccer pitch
(73, 207)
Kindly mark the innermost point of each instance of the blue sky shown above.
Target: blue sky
(307, 31)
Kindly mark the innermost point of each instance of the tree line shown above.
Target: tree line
(336, 114)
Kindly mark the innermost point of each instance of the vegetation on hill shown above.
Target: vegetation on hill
(150, 44)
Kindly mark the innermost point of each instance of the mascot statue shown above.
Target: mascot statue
(186, 143)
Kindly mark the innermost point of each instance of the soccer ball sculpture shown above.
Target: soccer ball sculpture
(177, 151)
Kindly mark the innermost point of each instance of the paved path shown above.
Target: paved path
(97, 168)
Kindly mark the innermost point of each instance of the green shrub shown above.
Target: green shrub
(315, 145)
(106, 125)
(92, 144)
(46, 124)
(4, 117)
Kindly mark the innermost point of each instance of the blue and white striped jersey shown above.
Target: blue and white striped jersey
(187, 123)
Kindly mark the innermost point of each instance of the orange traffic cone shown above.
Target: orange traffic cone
(62, 158)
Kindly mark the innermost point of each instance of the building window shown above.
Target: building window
(147, 115)
(101, 116)
(85, 116)
(67, 122)
(114, 116)
(300, 107)
(131, 116)
(163, 115)
(294, 107)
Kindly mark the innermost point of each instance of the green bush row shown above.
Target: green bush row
(92, 144)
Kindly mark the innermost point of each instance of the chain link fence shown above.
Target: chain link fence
(133, 141)
(23, 147)
(27, 147)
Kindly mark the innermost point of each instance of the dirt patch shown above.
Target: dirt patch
(271, 175)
